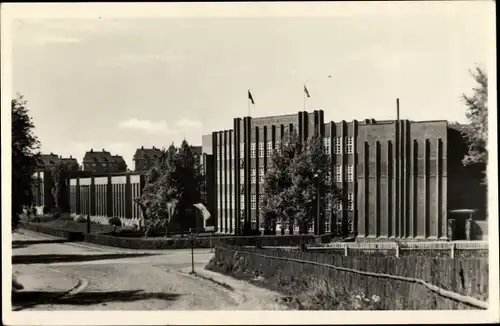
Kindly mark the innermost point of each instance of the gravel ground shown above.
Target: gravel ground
(114, 280)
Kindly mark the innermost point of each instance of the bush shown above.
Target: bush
(115, 221)
(80, 219)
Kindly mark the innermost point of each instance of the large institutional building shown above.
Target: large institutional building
(400, 177)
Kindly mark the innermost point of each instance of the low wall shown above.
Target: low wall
(464, 276)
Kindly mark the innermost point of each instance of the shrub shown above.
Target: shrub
(80, 219)
(115, 221)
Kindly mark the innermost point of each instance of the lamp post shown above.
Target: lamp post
(191, 239)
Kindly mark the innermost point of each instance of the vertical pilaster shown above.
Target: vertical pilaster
(438, 189)
(426, 188)
(128, 197)
(377, 189)
(110, 197)
(390, 190)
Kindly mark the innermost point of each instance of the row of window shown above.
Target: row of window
(348, 175)
(337, 205)
(337, 147)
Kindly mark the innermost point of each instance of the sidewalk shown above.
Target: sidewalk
(248, 295)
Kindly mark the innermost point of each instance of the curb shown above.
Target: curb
(236, 296)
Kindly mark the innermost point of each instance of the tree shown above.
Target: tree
(172, 188)
(298, 173)
(277, 205)
(477, 114)
(60, 186)
(25, 155)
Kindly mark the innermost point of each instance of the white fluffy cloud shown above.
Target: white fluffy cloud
(151, 127)
(187, 123)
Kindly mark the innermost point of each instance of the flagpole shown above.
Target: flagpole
(248, 102)
(304, 92)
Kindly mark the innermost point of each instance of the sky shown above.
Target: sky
(119, 83)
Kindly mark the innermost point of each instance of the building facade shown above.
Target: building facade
(103, 162)
(146, 158)
(396, 174)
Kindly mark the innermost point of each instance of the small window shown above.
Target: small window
(253, 176)
(261, 175)
(326, 145)
(349, 145)
(337, 145)
(338, 173)
(350, 201)
(269, 148)
(252, 150)
(349, 173)
(253, 201)
(261, 149)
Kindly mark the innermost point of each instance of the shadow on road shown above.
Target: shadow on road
(26, 243)
(27, 299)
(47, 259)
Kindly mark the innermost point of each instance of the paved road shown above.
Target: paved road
(113, 279)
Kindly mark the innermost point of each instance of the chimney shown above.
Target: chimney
(104, 150)
(71, 156)
(91, 150)
(154, 147)
(142, 147)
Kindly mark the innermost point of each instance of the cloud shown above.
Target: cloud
(151, 127)
(187, 123)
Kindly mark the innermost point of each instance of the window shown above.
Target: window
(338, 173)
(242, 201)
(252, 150)
(337, 205)
(350, 201)
(242, 150)
(310, 227)
(232, 176)
(218, 153)
(349, 176)
(349, 147)
(326, 145)
(328, 176)
(261, 149)
(223, 154)
(337, 145)
(253, 175)
(328, 205)
(261, 175)
(269, 148)
(253, 219)
(327, 225)
(242, 176)
(261, 198)
(253, 201)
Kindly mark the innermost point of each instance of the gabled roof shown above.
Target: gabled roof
(147, 153)
(94, 156)
(49, 159)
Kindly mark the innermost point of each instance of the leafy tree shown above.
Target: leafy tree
(277, 206)
(477, 114)
(60, 186)
(25, 155)
(172, 187)
(291, 185)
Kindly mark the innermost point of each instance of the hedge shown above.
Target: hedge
(61, 233)
(135, 241)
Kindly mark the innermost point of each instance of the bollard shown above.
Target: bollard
(452, 252)
(397, 250)
(345, 250)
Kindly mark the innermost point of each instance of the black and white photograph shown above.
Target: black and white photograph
(249, 163)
